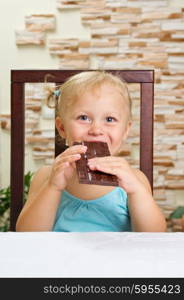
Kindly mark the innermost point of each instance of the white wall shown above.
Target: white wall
(12, 15)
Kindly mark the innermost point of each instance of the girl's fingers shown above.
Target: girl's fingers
(108, 159)
(62, 167)
(69, 159)
(105, 169)
(111, 168)
(72, 150)
(110, 164)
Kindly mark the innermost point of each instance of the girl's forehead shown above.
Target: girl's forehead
(98, 105)
(106, 95)
(105, 90)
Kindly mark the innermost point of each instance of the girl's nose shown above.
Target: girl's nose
(95, 129)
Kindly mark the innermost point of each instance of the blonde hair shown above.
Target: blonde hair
(81, 82)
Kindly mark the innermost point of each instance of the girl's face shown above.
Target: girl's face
(99, 115)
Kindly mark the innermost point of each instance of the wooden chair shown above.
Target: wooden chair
(20, 77)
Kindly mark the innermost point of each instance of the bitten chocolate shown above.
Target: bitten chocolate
(87, 176)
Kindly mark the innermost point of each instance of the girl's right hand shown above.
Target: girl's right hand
(64, 166)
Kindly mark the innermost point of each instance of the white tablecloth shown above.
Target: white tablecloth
(102, 254)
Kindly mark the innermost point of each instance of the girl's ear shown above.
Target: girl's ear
(129, 124)
(60, 127)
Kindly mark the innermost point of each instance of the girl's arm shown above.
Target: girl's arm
(145, 214)
(144, 211)
(44, 196)
(38, 213)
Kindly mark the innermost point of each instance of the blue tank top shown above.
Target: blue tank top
(106, 213)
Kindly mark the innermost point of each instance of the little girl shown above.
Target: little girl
(93, 106)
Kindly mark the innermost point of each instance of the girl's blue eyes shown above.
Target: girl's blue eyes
(84, 118)
(110, 119)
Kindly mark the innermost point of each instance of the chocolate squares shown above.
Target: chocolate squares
(87, 176)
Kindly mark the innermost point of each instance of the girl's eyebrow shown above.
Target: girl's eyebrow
(113, 112)
(116, 113)
(78, 113)
(81, 112)
(87, 111)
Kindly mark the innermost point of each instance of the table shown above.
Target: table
(96, 254)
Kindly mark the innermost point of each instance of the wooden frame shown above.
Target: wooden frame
(20, 77)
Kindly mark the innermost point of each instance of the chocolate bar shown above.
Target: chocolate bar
(87, 176)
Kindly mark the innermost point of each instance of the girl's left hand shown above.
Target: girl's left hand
(118, 166)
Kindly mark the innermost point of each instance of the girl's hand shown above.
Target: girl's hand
(64, 166)
(127, 177)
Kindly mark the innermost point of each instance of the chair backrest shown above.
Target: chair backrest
(18, 80)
